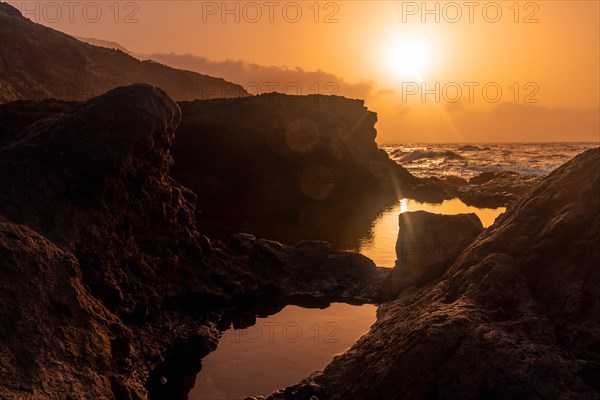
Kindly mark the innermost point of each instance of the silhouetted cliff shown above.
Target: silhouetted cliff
(307, 163)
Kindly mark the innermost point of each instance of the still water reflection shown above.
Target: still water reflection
(279, 350)
(380, 244)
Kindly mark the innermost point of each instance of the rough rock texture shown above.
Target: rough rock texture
(94, 182)
(102, 192)
(308, 163)
(56, 338)
(426, 238)
(58, 66)
(516, 316)
(427, 243)
(309, 268)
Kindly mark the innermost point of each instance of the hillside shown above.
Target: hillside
(56, 65)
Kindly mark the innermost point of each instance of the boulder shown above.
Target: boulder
(102, 192)
(427, 243)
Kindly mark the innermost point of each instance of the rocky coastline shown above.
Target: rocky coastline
(110, 288)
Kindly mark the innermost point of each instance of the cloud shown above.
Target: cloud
(264, 79)
(454, 107)
(383, 92)
(402, 109)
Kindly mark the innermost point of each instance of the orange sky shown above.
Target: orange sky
(556, 60)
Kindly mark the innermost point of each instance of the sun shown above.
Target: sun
(408, 57)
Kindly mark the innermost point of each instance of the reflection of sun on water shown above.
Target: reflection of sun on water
(403, 205)
(381, 246)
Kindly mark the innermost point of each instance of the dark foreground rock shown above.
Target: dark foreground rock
(516, 316)
(57, 339)
(103, 268)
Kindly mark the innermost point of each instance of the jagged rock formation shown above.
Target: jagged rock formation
(93, 181)
(17, 115)
(58, 66)
(516, 316)
(101, 186)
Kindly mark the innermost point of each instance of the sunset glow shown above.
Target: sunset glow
(299, 200)
(542, 56)
(409, 58)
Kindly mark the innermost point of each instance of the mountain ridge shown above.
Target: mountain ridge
(60, 66)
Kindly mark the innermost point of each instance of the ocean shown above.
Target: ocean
(468, 160)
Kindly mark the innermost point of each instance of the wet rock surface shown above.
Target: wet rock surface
(516, 315)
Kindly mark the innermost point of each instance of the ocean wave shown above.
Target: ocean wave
(423, 154)
(470, 148)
